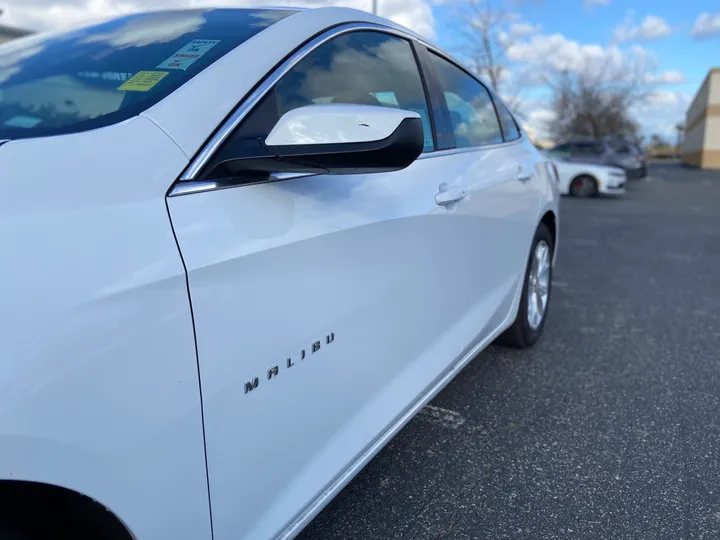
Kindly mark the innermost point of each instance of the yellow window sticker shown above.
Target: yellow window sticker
(143, 81)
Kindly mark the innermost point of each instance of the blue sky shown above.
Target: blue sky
(682, 56)
(681, 39)
(594, 24)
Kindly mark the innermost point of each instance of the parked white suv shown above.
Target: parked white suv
(240, 250)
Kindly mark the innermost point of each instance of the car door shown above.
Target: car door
(325, 306)
(502, 203)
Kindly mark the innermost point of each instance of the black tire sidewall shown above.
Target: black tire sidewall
(526, 333)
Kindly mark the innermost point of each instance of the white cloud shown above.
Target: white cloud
(546, 54)
(54, 14)
(662, 97)
(537, 116)
(60, 14)
(589, 3)
(665, 77)
(520, 30)
(557, 52)
(156, 28)
(650, 28)
(539, 120)
(706, 25)
(14, 53)
(661, 112)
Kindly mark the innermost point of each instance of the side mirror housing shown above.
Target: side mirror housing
(334, 139)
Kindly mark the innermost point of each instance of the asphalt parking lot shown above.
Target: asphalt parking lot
(609, 428)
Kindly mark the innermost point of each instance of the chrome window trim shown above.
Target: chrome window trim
(188, 187)
(248, 104)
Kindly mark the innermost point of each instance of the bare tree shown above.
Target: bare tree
(595, 98)
(485, 34)
(485, 40)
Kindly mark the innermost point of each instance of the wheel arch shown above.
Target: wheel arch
(550, 222)
(36, 508)
(549, 219)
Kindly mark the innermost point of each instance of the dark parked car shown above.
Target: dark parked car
(617, 152)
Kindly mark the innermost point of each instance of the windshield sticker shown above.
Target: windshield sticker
(118, 76)
(23, 121)
(143, 81)
(189, 54)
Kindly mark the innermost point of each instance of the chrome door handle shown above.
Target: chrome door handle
(523, 174)
(448, 195)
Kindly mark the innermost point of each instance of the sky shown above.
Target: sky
(673, 43)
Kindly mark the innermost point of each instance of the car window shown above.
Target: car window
(562, 149)
(52, 84)
(367, 68)
(621, 147)
(587, 149)
(509, 126)
(472, 113)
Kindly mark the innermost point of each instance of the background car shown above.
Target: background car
(241, 250)
(588, 180)
(611, 151)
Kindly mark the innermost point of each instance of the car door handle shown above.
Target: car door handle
(524, 174)
(448, 195)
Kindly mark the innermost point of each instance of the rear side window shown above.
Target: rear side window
(588, 149)
(472, 113)
(562, 149)
(509, 126)
(360, 68)
(621, 147)
(53, 84)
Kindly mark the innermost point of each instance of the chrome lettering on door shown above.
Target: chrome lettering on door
(274, 370)
(252, 384)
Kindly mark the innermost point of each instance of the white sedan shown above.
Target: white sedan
(240, 250)
(587, 179)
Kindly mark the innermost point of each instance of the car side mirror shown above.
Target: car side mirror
(335, 139)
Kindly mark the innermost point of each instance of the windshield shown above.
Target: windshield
(52, 84)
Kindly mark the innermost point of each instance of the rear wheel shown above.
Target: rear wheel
(532, 312)
(584, 186)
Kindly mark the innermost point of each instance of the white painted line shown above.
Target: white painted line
(442, 417)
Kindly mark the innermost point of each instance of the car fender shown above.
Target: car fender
(99, 390)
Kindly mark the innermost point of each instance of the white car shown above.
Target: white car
(587, 179)
(240, 250)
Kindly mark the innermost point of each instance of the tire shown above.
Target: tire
(584, 186)
(523, 333)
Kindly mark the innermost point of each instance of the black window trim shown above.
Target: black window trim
(442, 130)
(512, 117)
(415, 47)
(190, 180)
